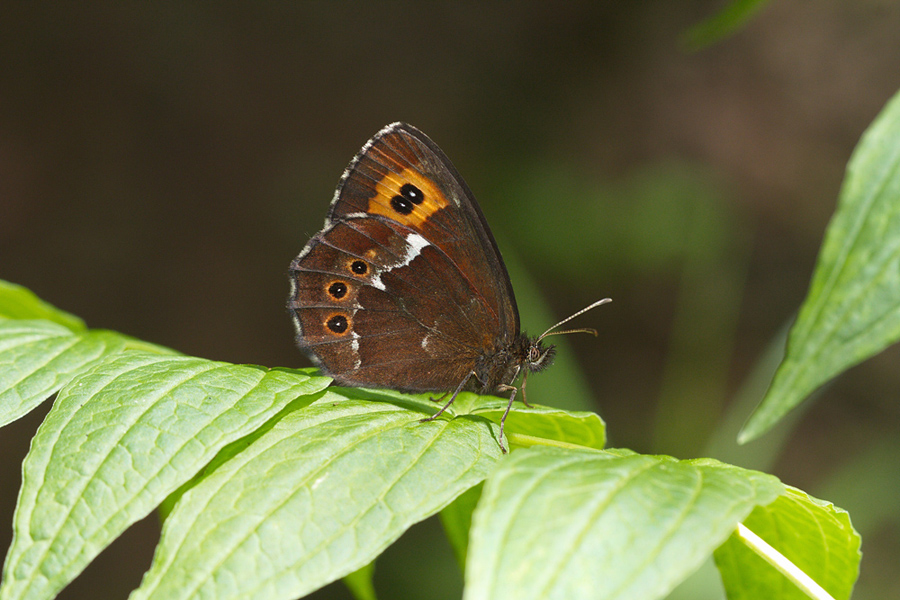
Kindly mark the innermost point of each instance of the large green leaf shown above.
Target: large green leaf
(852, 310)
(118, 440)
(569, 524)
(38, 357)
(314, 498)
(525, 426)
(814, 535)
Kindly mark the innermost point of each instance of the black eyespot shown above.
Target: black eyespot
(337, 323)
(338, 290)
(412, 193)
(359, 267)
(402, 205)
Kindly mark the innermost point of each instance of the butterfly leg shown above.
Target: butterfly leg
(512, 398)
(452, 398)
(439, 398)
(524, 381)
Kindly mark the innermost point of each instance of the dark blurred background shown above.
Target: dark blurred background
(161, 164)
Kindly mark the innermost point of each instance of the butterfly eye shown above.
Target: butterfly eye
(338, 290)
(337, 324)
(359, 267)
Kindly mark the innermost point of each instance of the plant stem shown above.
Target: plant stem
(784, 566)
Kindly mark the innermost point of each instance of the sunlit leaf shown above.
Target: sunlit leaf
(569, 524)
(814, 535)
(314, 498)
(852, 310)
(38, 357)
(117, 441)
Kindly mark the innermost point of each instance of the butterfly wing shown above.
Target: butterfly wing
(404, 287)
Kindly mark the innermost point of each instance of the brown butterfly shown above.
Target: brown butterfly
(405, 288)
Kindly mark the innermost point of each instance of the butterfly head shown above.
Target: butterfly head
(537, 356)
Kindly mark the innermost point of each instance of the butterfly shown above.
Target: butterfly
(404, 287)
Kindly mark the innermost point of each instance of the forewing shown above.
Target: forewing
(448, 217)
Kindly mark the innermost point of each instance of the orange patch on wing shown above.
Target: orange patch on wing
(390, 185)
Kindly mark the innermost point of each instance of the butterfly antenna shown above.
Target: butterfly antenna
(569, 318)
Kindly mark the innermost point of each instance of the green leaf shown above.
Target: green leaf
(118, 440)
(719, 26)
(556, 523)
(17, 302)
(38, 357)
(852, 310)
(529, 425)
(814, 535)
(314, 498)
